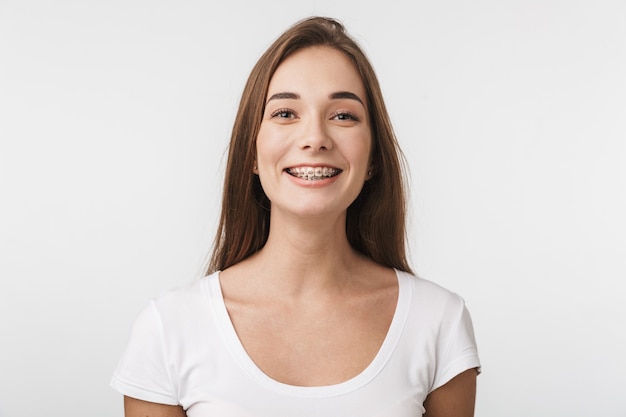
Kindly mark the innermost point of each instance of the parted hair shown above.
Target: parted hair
(375, 221)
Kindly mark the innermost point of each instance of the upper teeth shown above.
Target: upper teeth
(313, 173)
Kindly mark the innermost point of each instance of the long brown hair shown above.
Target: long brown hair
(375, 221)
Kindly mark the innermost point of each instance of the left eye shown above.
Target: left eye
(345, 116)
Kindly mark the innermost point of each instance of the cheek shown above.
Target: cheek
(361, 151)
(269, 146)
(263, 144)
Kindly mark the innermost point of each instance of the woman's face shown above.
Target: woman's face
(314, 144)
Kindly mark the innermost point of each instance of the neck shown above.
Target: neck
(307, 255)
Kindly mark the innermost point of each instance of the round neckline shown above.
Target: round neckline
(361, 379)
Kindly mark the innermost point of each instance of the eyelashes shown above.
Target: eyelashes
(345, 115)
(341, 115)
(283, 114)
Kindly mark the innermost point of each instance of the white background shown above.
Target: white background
(114, 120)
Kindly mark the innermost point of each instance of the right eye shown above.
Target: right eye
(284, 114)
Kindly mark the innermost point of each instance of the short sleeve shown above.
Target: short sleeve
(457, 351)
(143, 371)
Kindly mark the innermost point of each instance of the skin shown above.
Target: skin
(302, 303)
(308, 309)
(315, 115)
(456, 398)
(137, 408)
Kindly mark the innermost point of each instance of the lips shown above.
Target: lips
(313, 173)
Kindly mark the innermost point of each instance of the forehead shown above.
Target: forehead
(320, 68)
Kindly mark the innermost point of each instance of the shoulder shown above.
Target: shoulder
(429, 294)
(432, 308)
(440, 329)
(178, 305)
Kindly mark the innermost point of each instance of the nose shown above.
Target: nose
(315, 135)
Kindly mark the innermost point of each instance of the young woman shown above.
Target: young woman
(309, 307)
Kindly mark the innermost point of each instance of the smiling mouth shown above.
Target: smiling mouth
(313, 173)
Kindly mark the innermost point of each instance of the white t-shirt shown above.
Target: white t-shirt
(184, 350)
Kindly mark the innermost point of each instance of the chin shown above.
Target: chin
(314, 211)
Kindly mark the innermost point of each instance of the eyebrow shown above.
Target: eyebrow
(346, 94)
(283, 96)
(333, 96)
